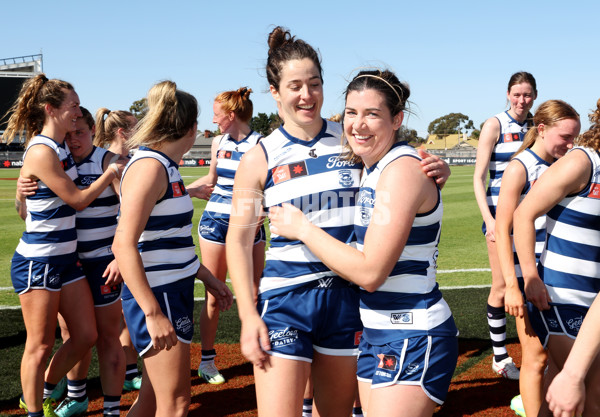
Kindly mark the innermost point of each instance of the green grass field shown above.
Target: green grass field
(462, 254)
(462, 246)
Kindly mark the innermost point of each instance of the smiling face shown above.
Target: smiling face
(67, 113)
(558, 138)
(369, 125)
(222, 118)
(80, 140)
(300, 97)
(521, 97)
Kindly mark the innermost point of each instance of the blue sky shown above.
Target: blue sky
(456, 56)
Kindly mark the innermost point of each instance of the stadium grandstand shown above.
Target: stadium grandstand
(13, 73)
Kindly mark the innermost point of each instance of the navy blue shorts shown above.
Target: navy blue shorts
(216, 231)
(33, 275)
(426, 361)
(321, 316)
(176, 301)
(102, 294)
(565, 320)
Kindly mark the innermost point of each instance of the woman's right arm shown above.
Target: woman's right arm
(246, 212)
(513, 181)
(569, 175)
(41, 163)
(490, 133)
(203, 186)
(144, 184)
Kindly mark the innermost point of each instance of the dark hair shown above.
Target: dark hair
(171, 114)
(28, 113)
(548, 113)
(385, 82)
(284, 47)
(238, 102)
(591, 138)
(87, 116)
(524, 77)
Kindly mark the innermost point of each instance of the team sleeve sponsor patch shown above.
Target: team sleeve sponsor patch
(223, 154)
(594, 191)
(511, 137)
(178, 189)
(287, 172)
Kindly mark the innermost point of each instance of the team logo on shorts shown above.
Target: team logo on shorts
(183, 324)
(411, 368)
(401, 318)
(575, 323)
(346, 179)
(283, 337)
(389, 362)
(552, 323)
(206, 230)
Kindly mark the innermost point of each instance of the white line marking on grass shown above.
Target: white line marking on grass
(465, 287)
(6, 288)
(452, 271)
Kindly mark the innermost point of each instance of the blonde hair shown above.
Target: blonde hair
(591, 138)
(108, 123)
(548, 113)
(238, 102)
(171, 114)
(28, 113)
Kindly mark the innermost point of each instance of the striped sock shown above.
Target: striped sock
(497, 323)
(77, 390)
(307, 407)
(209, 355)
(48, 388)
(131, 371)
(111, 405)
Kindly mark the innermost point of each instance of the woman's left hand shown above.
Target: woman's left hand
(435, 167)
(26, 187)
(566, 396)
(287, 221)
(112, 274)
(218, 289)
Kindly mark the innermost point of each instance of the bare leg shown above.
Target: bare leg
(166, 387)
(279, 389)
(39, 308)
(110, 353)
(400, 401)
(213, 257)
(533, 365)
(76, 307)
(334, 380)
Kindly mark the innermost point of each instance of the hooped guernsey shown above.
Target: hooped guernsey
(409, 303)
(166, 245)
(534, 168)
(312, 176)
(570, 262)
(96, 224)
(50, 235)
(509, 142)
(229, 155)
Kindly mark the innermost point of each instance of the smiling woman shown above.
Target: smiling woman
(44, 270)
